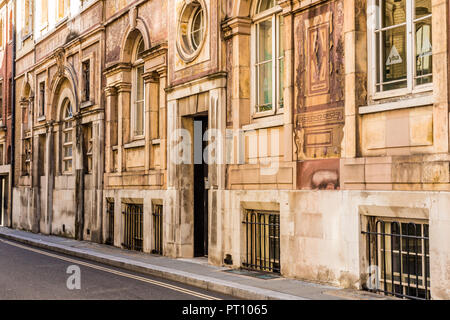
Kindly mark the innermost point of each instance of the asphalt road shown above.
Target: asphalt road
(31, 273)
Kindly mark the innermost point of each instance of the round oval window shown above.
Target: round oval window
(191, 29)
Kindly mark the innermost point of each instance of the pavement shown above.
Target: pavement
(193, 272)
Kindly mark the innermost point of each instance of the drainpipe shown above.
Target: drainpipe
(13, 120)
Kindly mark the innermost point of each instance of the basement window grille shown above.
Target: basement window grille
(110, 221)
(398, 252)
(133, 224)
(157, 229)
(262, 237)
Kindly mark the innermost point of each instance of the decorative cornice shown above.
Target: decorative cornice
(236, 25)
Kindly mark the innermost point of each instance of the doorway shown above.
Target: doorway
(200, 188)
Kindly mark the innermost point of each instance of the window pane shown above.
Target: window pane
(197, 29)
(265, 5)
(140, 50)
(67, 165)
(394, 58)
(393, 12)
(139, 103)
(281, 35)
(281, 83)
(68, 136)
(424, 58)
(139, 84)
(139, 124)
(422, 8)
(67, 152)
(265, 86)
(265, 40)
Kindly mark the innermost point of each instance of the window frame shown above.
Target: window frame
(66, 9)
(385, 250)
(26, 157)
(137, 64)
(64, 144)
(27, 17)
(274, 15)
(185, 44)
(41, 102)
(373, 13)
(87, 102)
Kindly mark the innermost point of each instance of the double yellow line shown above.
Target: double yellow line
(119, 273)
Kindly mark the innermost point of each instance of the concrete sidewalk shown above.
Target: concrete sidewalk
(195, 272)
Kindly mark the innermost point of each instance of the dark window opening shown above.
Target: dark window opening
(133, 227)
(86, 72)
(110, 220)
(157, 229)
(398, 254)
(41, 99)
(262, 234)
(88, 147)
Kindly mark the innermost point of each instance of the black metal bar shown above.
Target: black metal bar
(406, 233)
(262, 241)
(392, 262)
(246, 236)
(157, 229)
(407, 261)
(133, 227)
(110, 224)
(399, 252)
(425, 275)
(266, 263)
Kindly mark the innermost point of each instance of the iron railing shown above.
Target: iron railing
(157, 229)
(399, 251)
(110, 222)
(133, 224)
(262, 235)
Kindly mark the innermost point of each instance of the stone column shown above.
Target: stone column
(123, 115)
(171, 145)
(352, 74)
(35, 182)
(288, 94)
(151, 122)
(79, 177)
(440, 35)
(97, 175)
(49, 175)
(162, 114)
(111, 124)
(238, 29)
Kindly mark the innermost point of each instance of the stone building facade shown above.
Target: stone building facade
(7, 12)
(60, 118)
(307, 138)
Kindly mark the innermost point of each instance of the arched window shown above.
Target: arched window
(268, 56)
(138, 95)
(67, 137)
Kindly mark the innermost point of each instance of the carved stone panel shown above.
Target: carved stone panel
(319, 112)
